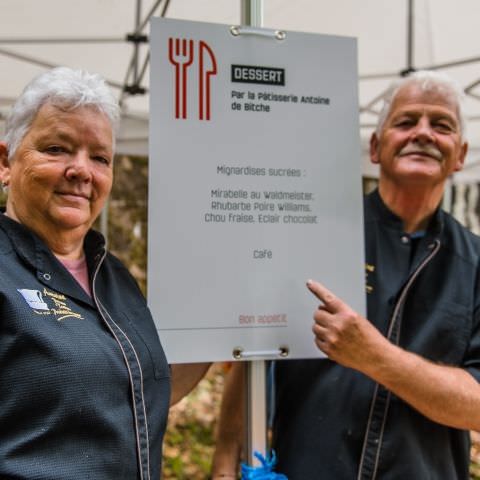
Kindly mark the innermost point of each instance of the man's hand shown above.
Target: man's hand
(447, 395)
(342, 334)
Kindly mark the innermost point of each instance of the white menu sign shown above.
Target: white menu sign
(255, 187)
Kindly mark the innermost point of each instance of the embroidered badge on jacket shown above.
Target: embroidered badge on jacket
(47, 302)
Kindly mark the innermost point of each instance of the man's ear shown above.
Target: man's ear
(374, 149)
(4, 164)
(461, 157)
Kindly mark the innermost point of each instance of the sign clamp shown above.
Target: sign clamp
(238, 353)
(237, 30)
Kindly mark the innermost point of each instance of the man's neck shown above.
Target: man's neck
(415, 205)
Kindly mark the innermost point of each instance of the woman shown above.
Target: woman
(84, 383)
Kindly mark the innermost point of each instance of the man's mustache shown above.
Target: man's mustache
(427, 149)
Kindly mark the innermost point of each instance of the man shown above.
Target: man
(398, 393)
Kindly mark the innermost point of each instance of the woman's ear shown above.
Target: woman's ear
(4, 164)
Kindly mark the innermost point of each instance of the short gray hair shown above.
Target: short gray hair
(428, 81)
(63, 87)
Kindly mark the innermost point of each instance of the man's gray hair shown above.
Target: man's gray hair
(62, 87)
(428, 81)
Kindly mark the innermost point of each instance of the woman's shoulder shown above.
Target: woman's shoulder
(6, 245)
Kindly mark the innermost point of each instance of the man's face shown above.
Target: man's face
(61, 173)
(420, 141)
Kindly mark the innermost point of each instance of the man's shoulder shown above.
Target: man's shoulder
(374, 210)
(453, 226)
(459, 238)
(370, 200)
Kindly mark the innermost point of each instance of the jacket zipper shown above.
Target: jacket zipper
(435, 247)
(101, 309)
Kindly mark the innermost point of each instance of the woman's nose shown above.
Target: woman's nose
(78, 167)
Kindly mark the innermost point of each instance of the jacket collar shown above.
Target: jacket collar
(385, 216)
(49, 270)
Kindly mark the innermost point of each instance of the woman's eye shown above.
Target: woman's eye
(53, 149)
(101, 159)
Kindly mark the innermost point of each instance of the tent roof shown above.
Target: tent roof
(92, 35)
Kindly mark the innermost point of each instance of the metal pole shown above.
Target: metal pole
(410, 35)
(252, 13)
(138, 15)
(256, 404)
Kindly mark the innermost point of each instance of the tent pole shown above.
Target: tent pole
(256, 405)
(138, 20)
(410, 35)
(252, 13)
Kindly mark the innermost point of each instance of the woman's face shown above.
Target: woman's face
(61, 173)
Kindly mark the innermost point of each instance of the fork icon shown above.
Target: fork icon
(180, 54)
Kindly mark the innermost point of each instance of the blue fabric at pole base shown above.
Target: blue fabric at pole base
(264, 471)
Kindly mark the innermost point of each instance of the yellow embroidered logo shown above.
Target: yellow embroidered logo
(368, 269)
(48, 303)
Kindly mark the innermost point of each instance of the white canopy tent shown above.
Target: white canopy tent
(110, 37)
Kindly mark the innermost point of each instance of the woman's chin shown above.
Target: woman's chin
(73, 218)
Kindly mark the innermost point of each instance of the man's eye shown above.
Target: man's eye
(444, 127)
(404, 123)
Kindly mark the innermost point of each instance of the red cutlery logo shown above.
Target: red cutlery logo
(181, 54)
